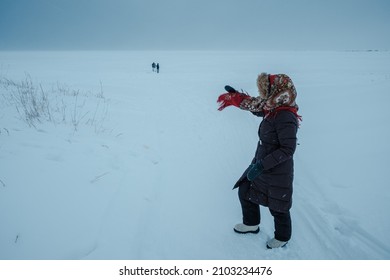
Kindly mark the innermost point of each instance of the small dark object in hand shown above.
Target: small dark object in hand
(230, 89)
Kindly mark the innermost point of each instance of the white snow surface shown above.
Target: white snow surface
(152, 177)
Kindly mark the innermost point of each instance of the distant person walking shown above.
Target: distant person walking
(153, 66)
(158, 68)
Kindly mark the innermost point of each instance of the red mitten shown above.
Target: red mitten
(231, 98)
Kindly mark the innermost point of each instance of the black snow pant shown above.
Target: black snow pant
(251, 214)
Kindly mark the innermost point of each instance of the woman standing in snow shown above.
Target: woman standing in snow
(268, 181)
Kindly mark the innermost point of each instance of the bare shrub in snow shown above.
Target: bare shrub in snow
(61, 104)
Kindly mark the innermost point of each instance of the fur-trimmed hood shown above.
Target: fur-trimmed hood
(274, 91)
(278, 90)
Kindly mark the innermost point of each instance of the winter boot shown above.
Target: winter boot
(242, 228)
(274, 243)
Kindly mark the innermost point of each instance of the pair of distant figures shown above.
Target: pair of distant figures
(156, 67)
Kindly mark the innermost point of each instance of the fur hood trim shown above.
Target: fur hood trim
(263, 85)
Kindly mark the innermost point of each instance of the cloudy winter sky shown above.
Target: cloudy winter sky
(195, 24)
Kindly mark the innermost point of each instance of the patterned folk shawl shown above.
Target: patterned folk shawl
(274, 91)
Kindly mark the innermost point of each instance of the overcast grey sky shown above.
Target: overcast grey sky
(195, 24)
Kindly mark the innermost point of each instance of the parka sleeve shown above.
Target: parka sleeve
(286, 125)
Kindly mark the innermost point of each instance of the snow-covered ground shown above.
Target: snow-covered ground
(130, 164)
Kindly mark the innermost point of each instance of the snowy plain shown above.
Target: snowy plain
(130, 164)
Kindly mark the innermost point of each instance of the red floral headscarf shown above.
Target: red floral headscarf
(274, 91)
